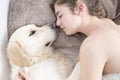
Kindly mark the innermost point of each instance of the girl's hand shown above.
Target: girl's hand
(22, 76)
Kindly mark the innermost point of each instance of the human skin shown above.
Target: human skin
(22, 76)
(99, 53)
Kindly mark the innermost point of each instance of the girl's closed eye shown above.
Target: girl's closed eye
(60, 16)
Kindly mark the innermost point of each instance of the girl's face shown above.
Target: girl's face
(67, 21)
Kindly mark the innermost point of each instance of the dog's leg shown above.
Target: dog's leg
(75, 75)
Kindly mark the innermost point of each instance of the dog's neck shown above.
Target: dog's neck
(41, 57)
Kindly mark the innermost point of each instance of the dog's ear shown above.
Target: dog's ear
(18, 56)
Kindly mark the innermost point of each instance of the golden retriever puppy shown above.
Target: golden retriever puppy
(30, 48)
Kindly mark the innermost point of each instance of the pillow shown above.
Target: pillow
(23, 12)
(112, 8)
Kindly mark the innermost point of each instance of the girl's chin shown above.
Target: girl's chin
(68, 33)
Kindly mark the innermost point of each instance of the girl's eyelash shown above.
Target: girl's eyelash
(60, 16)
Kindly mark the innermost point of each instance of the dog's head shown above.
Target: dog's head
(30, 41)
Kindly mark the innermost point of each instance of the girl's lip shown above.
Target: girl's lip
(63, 28)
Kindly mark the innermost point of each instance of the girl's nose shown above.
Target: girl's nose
(57, 22)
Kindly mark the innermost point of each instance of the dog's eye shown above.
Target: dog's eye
(47, 44)
(32, 32)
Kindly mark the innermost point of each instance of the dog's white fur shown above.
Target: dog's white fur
(30, 48)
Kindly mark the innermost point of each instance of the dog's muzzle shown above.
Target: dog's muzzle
(55, 27)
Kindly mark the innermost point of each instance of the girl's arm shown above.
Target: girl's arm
(92, 60)
(75, 75)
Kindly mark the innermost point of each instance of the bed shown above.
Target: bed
(21, 12)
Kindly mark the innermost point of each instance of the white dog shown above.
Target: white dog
(30, 48)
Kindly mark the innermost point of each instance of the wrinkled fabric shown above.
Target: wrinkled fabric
(112, 8)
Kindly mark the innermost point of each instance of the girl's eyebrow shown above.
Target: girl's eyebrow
(57, 13)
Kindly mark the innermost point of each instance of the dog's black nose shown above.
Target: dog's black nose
(53, 25)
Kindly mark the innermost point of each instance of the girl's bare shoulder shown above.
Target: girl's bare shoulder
(93, 42)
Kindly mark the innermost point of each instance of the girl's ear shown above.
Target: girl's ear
(80, 8)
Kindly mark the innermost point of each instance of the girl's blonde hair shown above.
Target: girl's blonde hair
(94, 6)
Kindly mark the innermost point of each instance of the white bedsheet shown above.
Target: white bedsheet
(4, 67)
